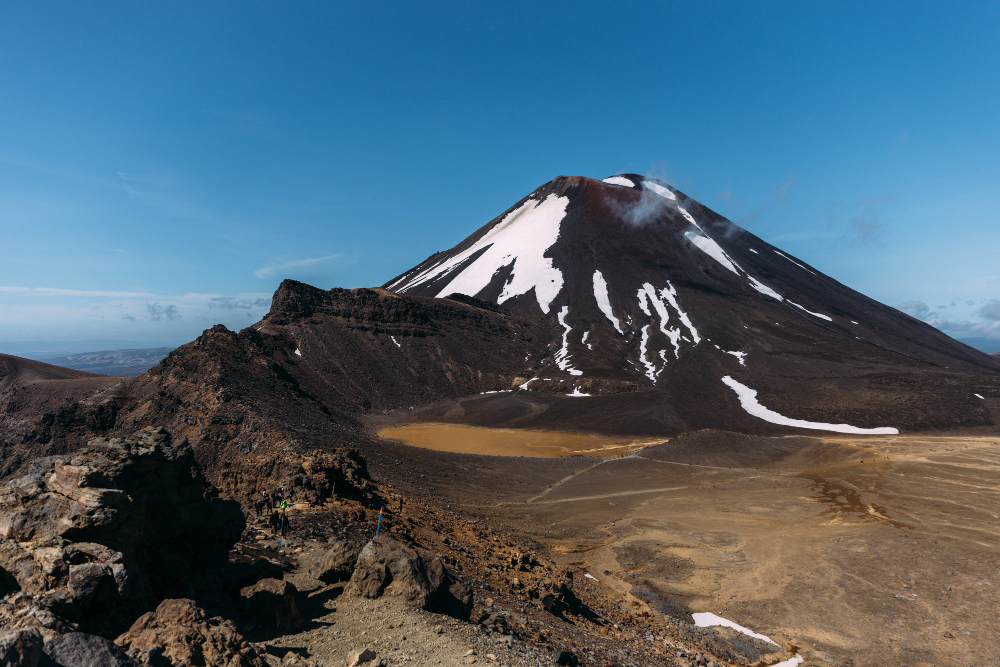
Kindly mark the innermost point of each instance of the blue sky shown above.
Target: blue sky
(164, 165)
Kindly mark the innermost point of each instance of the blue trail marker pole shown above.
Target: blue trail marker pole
(379, 526)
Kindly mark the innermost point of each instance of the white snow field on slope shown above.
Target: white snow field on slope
(619, 180)
(748, 399)
(659, 189)
(604, 301)
(520, 239)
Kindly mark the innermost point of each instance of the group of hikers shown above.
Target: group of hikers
(274, 506)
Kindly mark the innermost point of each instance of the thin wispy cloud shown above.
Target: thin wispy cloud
(233, 303)
(273, 269)
(56, 291)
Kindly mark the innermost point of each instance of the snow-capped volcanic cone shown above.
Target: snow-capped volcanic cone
(642, 288)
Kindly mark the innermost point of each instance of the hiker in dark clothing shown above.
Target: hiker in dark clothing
(274, 522)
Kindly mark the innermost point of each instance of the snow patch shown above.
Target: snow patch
(689, 217)
(584, 340)
(604, 301)
(588, 575)
(396, 342)
(819, 315)
(753, 251)
(524, 386)
(670, 294)
(715, 251)
(650, 368)
(659, 189)
(748, 399)
(297, 352)
(794, 262)
(576, 392)
(562, 356)
(853, 322)
(619, 180)
(979, 396)
(706, 619)
(740, 356)
(520, 240)
(764, 289)
(712, 249)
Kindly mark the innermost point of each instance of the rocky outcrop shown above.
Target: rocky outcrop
(338, 562)
(386, 567)
(312, 477)
(89, 540)
(179, 633)
(273, 603)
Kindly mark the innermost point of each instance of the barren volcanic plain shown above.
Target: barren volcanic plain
(874, 550)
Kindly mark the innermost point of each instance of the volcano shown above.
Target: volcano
(619, 306)
(642, 291)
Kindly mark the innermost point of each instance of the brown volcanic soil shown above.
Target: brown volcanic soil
(858, 551)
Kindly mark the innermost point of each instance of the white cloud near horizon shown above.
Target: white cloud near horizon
(268, 271)
(57, 291)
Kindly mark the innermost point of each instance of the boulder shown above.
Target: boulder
(338, 562)
(78, 649)
(178, 633)
(451, 596)
(91, 584)
(386, 567)
(21, 647)
(567, 658)
(360, 657)
(273, 603)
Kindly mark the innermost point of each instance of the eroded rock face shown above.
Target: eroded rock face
(179, 633)
(89, 540)
(386, 567)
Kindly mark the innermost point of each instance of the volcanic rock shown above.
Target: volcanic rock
(451, 596)
(179, 633)
(338, 562)
(273, 603)
(88, 538)
(386, 567)
(78, 649)
(360, 657)
(20, 647)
